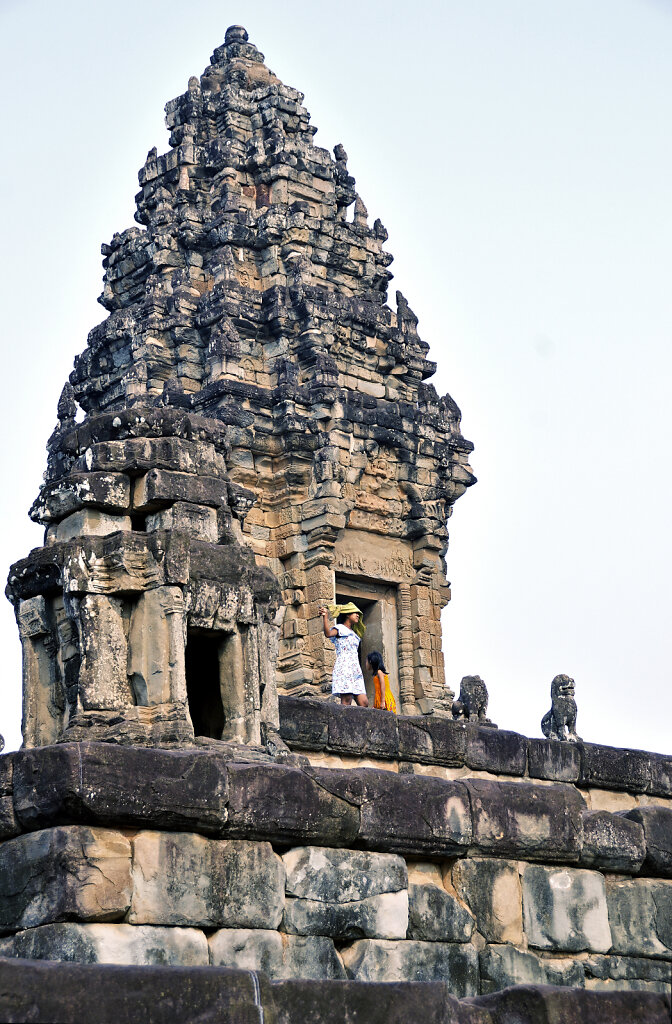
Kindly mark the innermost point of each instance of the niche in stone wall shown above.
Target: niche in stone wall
(378, 602)
(204, 696)
(218, 680)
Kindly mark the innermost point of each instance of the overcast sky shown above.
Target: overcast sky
(519, 154)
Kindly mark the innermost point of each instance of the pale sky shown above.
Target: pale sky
(519, 154)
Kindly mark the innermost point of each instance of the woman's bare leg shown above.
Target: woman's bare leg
(346, 699)
(362, 700)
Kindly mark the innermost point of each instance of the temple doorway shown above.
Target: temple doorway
(204, 697)
(378, 603)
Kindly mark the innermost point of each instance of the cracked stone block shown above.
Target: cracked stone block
(278, 956)
(109, 944)
(565, 909)
(59, 873)
(287, 805)
(345, 893)
(491, 889)
(612, 842)
(505, 965)
(384, 960)
(640, 916)
(435, 915)
(185, 879)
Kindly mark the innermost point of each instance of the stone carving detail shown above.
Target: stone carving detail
(560, 722)
(472, 704)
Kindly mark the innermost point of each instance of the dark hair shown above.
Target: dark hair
(340, 619)
(375, 660)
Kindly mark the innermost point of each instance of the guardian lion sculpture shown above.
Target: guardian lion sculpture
(560, 722)
(472, 704)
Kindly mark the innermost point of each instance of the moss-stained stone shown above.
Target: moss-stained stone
(565, 909)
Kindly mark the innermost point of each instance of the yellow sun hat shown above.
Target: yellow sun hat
(348, 609)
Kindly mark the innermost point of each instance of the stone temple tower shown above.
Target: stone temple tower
(257, 439)
(192, 831)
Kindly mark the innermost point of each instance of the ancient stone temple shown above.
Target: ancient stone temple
(192, 830)
(258, 440)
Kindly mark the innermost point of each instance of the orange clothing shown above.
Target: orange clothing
(387, 701)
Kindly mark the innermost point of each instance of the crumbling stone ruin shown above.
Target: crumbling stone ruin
(258, 440)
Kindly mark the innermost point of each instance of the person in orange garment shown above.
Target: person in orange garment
(381, 681)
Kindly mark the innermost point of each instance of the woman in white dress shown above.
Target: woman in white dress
(347, 680)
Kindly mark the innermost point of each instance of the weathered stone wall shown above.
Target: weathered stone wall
(140, 856)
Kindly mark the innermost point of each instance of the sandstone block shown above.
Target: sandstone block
(88, 521)
(434, 915)
(640, 916)
(278, 956)
(185, 879)
(389, 1003)
(408, 814)
(286, 804)
(661, 775)
(109, 994)
(199, 521)
(565, 909)
(553, 760)
(161, 487)
(384, 916)
(448, 739)
(108, 944)
(612, 842)
(502, 966)
(9, 826)
(371, 732)
(103, 679)
(102, 783)
(381, 960)
(625, 971)
(657, 825)
(495, 750)
(525, 820)
(491, 889)
(615, 768)
(528, 1004)
(303, 723)
(342, 876)
(110, 492)
(66, 872)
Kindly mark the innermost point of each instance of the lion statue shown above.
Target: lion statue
(472, 704)
(560, 722)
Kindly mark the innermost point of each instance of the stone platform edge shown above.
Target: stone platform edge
(110, 994)
(207, 792)
(322, 726)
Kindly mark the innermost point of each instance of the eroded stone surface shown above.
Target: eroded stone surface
(565, 909)
(277, 955)
(437, 916)
(108, 944)
(61, 873)
(380, 960)
(505, 965)
(491, 888)
(183, 879)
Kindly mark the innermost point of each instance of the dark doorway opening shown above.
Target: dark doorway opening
(378, 602)
(203, 687)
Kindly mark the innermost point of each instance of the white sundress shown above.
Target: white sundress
(347, 676)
